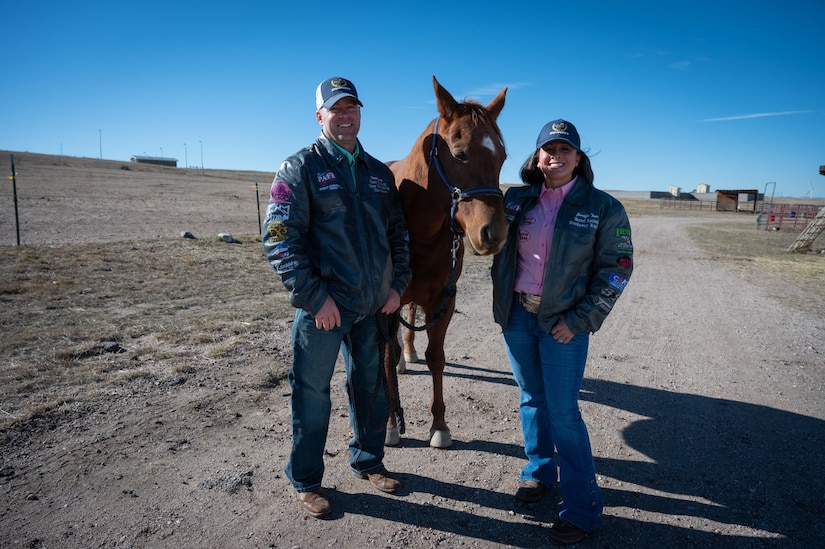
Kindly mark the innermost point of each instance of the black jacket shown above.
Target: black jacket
(590, 262)
(326, 234)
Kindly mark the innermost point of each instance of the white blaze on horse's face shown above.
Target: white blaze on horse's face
(488, 143)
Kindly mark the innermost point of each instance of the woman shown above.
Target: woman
(567, 259)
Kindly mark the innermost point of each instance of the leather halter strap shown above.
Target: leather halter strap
(457, 195)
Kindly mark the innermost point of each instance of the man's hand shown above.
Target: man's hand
(328, 317)
(392, 303)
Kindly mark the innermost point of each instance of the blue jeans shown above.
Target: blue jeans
(314, 354)
(549, 375)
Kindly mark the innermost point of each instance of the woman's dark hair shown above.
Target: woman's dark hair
(532, 175)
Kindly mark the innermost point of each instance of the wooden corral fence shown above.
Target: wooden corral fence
(787, 216)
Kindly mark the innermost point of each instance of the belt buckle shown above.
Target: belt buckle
(529, 302)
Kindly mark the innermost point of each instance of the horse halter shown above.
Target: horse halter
(457, 195)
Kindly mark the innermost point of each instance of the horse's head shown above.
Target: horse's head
(471, 151)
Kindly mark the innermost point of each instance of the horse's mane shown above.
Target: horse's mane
(478, 113)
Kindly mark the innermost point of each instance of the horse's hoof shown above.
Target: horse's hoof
(392, 438)
(401, 367)
(441, 439)
(411, 357)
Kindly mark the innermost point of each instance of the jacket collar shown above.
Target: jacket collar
(332, 150)
(577, 194)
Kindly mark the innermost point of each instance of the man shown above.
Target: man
(335, 233)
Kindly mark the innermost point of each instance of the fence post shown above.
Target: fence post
(13, 178)
(258, 202)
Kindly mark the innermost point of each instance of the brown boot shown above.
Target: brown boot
(530, 491)
(314, 502)
(382, 480)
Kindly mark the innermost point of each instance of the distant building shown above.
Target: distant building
(738, 200)
(702, 188)
(158, 160)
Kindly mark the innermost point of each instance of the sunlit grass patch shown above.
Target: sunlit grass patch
(761, 257)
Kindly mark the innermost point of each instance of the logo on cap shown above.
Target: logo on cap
(339, 83)
(559, 130)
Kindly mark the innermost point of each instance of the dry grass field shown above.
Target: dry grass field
(143, 400)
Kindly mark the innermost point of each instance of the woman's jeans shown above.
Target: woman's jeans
(314, 354)
(549, 375)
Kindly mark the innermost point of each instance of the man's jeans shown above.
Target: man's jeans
(549, 375)
(314, 354)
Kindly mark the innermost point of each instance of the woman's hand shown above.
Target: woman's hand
(561, 332)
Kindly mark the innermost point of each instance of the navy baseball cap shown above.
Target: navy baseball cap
(332, 89)
(559, 130)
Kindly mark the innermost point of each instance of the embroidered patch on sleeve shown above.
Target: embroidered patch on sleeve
(276, 230)
(625, 262)
(280, 192)
(278, 211)
(617, 281)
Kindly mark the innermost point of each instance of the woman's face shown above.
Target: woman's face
(557, 160)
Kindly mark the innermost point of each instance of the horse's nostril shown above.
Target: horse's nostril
(487, 235)
(490, 236)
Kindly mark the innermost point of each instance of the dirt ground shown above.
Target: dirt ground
(703, 397)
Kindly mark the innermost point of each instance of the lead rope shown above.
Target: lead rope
(388, 327)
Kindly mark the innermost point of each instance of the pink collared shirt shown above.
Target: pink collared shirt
(535, 239)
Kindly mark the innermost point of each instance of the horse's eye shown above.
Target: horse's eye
(461, 155)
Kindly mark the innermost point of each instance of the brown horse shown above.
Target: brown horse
(450, 189)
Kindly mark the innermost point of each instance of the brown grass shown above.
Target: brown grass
(761, 257)
(167, 305)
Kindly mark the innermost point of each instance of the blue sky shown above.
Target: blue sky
(731, 94)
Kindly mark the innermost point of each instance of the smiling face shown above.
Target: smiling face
(557, 160)
(341, 122)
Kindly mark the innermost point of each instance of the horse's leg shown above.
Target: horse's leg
(439, 432)
(409, 336)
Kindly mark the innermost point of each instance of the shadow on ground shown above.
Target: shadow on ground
(740, 465)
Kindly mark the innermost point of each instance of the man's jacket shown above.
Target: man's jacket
(590, 262)
(326, 234)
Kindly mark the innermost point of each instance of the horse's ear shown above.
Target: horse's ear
(447, 105)
(497, 104)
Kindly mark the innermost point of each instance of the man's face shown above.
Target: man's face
(341, 122)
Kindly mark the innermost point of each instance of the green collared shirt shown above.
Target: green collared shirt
(351, 157)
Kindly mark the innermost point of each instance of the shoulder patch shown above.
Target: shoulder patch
(280, 192)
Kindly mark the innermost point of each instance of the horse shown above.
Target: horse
(449, 187)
